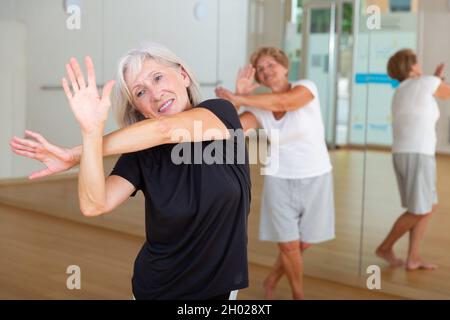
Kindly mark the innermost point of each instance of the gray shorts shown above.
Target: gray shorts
(297, 209)
(416, 179)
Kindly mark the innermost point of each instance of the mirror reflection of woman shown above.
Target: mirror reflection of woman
(195, 214)
(415, 113)
(297, 206)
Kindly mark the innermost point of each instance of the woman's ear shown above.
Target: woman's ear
(185, 77)
(286, 71)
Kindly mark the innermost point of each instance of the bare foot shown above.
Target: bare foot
(419, 265)
(298, 296)
(269, 288)
(389, 256)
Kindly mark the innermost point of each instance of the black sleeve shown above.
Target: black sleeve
(224, 110)
(128, 168)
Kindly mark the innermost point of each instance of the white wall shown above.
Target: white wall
(233, 39)
(12, 92)
(266, 23)
(49, 47)
(170, 22)
(8, 10)
(215, 47)
(434, 43)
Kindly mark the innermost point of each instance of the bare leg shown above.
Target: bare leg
(403, 224)
(276, 273)
(416, 235)
(292, 261)
(272, 279)
(304, 246)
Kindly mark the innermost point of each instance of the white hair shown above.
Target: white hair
(131, 62)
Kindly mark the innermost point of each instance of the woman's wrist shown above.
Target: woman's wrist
(239, 99)
(92, 142)
(93, 132)
(75, 153)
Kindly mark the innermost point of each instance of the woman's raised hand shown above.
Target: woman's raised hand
(245, 81)
(90, 110)
(439, 72)
(56, 159)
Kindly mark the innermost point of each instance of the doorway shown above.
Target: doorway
(328, 35)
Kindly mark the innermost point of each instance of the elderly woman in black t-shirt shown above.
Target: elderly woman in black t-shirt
(196, 213)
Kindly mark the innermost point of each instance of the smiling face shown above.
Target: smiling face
(271, 73)
(158, 89)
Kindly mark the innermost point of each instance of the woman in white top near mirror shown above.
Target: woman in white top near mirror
(414, 113)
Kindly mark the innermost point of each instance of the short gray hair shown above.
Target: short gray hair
(126, 113)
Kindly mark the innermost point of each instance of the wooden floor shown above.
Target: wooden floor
(367, 204)
(36, 250)
(382, 207)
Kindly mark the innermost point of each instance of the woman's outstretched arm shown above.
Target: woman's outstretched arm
(197, 124)
(193, 125)
(291, 100)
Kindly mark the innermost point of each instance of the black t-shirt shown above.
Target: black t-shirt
(195, 215)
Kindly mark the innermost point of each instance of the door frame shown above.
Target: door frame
(308, 7)
(336, 7)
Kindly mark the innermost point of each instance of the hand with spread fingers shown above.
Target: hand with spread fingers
(245, 81)
(56, 159)
(90, 110)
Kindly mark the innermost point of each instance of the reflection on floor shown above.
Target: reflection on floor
(336, 261)
(382, 207)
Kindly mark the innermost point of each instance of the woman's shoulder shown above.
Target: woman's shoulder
(218, 105)
(309, 84)
(423, 79)
(300, 81)
(215, 102)
(224, 110)
(424, 82)
(432, 81)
